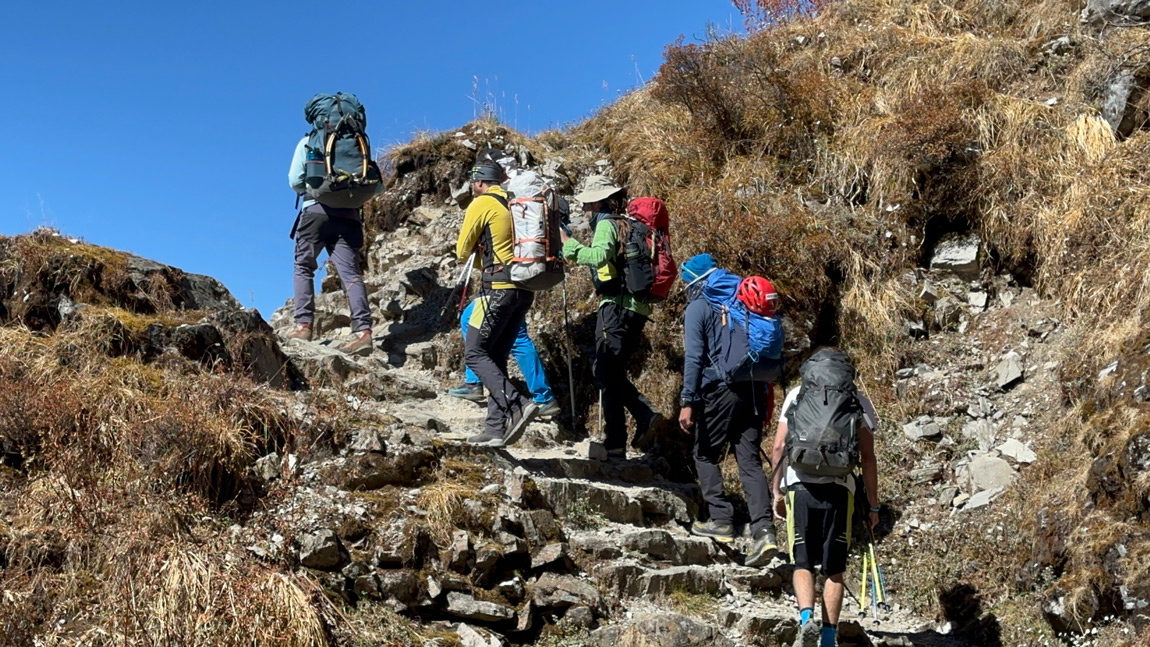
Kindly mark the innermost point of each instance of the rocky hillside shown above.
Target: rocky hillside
(956, 192)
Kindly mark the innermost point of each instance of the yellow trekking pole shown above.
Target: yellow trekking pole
(880, 594)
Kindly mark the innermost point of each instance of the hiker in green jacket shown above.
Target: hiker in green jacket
(621, 318)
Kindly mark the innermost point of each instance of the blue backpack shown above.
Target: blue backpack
(751, 344)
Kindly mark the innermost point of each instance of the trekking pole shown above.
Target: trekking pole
(567, 330)
(876, 576)
(463, 281)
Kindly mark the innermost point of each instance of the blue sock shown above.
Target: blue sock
(805, 615)
(828, 637)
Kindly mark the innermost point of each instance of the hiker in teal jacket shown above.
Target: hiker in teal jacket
(619, 325)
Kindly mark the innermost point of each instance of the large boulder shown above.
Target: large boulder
(957, 255)
(554, 591)
(322, 550)
(186, 291)
(467, 607)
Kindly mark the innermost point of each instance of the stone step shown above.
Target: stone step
(629, 578)
(564, 462)
(673, 547)
(628, 504)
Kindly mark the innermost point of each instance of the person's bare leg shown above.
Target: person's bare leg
(832, 599)
(805, 588)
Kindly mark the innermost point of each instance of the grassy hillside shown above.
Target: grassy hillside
(830, 154)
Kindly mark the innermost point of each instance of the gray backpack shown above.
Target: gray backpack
(339, 170)
(823, 424)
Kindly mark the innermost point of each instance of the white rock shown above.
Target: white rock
(1017, 451)
(982, 499)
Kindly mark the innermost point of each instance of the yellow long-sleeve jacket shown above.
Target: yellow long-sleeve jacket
(487, 223)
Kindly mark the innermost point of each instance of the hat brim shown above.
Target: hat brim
(595, 195)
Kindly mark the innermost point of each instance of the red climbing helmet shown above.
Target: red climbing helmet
(759, 296)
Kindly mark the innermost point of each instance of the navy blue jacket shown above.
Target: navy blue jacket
(700, 347)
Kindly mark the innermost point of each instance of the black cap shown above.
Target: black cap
(486, 171)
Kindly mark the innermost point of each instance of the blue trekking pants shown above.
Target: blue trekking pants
(525, 356)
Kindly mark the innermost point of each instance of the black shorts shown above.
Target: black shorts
(819, 526)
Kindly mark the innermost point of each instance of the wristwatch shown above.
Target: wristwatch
(875, 508)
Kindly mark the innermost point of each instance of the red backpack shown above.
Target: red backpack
(653, 213)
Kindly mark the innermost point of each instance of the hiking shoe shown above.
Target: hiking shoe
(518, 424)
(809, 634)
(764, 549)
(549, 409)
(646, 436)
(721, 532)
(486, 439)
(470, 392)
(302, 332)
(361, 345)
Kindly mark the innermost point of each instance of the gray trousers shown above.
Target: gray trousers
(495, 322)
(340, 233)
(732, 416)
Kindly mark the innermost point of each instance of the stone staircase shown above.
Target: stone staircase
(596, 547)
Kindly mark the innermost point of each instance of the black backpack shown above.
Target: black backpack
(634, 260)
(339, 170)
(823, 424)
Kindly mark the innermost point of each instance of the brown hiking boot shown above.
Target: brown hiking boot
(361, 345)
(302, 332)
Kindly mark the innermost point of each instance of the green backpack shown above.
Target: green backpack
(339, 171)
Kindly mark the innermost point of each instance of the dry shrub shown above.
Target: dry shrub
(191, 600)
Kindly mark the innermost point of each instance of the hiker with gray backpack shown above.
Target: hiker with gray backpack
(514, 236)
(334, 173)
(826, 432)
(732, 354)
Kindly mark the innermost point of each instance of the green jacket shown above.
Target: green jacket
(600, 256)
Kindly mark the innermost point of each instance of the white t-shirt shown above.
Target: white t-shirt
(870, 421)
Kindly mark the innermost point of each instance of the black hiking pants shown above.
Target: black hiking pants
(725, 417)
(617, 335)
(495, 322)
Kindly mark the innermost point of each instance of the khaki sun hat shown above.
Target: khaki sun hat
(596, 188)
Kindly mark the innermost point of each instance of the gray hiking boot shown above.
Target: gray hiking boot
(809, 634)
(302, 332)
(549, 409)
(486, 439)
(360, 345)
(518, 424)
(471, 392)
(764, 548)
(721, 532)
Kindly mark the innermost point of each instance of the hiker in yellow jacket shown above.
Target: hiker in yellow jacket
(499, 311)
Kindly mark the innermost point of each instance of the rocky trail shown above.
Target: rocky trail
(562, 535)
(550, 533)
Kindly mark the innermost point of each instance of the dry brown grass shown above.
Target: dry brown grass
(119, 478)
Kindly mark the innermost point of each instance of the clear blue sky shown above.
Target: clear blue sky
(166, 128)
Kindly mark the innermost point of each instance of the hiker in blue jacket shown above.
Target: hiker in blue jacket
(721, 413)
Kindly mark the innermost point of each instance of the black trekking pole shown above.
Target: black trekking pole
(567, 330)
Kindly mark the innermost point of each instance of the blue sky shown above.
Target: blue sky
(166, 128)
